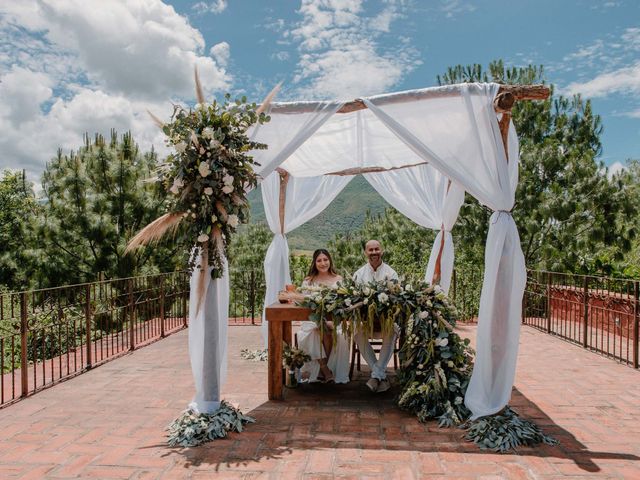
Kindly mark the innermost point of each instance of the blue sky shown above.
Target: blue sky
(70, 66)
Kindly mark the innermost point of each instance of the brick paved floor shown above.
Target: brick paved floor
(108, 423)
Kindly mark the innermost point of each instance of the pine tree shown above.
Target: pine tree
(98, 198)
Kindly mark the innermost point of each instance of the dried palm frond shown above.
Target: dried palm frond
(199, 92)
(268, 99)
(155, 230)
(156, 120)
(222, 211)
(216, 237)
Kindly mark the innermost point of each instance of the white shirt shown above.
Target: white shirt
(366, 274)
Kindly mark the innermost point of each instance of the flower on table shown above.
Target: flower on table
(204, 169)
(207, 133)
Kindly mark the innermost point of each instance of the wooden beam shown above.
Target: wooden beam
(284, 179)
(506, 97)
(359, 170)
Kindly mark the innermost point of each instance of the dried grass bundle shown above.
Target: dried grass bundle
(268, 99)
(154, 231)
(199, 92)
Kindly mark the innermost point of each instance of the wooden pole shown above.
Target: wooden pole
(284, 179)
(437, 271)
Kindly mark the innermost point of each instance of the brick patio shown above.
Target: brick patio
(108, 423)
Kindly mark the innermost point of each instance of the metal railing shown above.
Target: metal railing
(599, 313)
(52, 334)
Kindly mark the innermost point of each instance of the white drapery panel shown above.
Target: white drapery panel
(460, 136)
(208, 339)
(423, 195)
(305, 198)
(286, 132)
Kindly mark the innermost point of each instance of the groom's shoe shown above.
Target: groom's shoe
(373, 384)
(383, 386)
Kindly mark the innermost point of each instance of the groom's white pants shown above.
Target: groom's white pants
(379, 366)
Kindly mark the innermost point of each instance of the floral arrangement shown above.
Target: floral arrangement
(207, 175)
(436, 363)
(294, 357)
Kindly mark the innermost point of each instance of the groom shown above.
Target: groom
(375, 270)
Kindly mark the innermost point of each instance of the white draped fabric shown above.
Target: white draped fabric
(424, 195)
(285, 133)
(476, 160)
(305, 198)
(208, 339)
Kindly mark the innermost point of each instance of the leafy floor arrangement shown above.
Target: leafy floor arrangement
(192, 429)
(505, 431)
(254, 355)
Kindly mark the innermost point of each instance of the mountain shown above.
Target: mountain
(346, 213)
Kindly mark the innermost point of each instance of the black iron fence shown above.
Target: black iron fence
(599, 313)
(52, 334)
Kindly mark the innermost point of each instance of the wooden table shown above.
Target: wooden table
(280, 316)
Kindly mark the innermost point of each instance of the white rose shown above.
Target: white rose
(408, 287)
(227, 179)
(423, 314)
(180, 147)
(366, 301)
(450, 364)
(193, 215)
(207, 133)
(214, 218)
(383, 298)
(203, 237)
(214, 143)
(233, 220)
(227, 189)
(204, 169)
(347, 302)
(208, 191)
(366, 291)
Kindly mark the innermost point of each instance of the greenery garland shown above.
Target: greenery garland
(436, 363)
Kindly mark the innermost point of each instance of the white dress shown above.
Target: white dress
(310, 340)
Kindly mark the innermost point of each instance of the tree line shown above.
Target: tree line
(571, 215)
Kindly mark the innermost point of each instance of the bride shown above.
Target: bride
(332, 360)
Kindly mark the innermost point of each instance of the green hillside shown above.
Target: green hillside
(344, 214)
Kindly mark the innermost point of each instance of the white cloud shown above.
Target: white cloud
(451, 8)
(217, 6)
(73, 66)
(624, 80)
(340, 56)
(615, 168)
(221, 53)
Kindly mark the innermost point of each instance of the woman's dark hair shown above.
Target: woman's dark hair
(313, 270)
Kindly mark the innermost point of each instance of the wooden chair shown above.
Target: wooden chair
(376, 344)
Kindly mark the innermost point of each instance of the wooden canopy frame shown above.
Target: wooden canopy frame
(506, 98)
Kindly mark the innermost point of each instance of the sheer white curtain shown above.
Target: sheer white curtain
(460, 136)
(287, 131)
(208, 339)
(305, 198)
(424, 195)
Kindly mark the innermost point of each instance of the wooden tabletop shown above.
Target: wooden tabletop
(286, 312)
